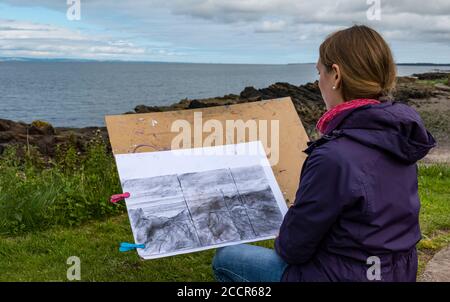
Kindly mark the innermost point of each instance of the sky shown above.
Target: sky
(216, 31)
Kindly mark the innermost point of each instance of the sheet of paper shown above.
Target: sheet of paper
(183, 201)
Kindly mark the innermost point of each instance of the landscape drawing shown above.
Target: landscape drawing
(185, 212)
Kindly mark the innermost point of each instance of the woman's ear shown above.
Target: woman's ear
(336, 76)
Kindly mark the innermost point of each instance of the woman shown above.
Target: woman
(356, 213)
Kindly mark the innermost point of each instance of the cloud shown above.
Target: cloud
(228, 30)
(271, 26)
(410, 16)
(24, 39)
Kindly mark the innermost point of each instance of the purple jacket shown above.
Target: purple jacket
(358, 198)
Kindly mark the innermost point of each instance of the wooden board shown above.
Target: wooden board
(147, 132)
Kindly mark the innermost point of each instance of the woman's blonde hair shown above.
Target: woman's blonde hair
(365, 60)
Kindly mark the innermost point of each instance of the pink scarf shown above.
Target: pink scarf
(332, 113)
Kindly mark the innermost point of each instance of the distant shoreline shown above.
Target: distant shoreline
(426, 91)
(80, 94)
(421, 64)
(69, 60)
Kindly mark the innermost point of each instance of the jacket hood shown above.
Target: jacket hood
(394, 128)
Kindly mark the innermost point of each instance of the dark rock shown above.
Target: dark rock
(230, 96)
(406, 80)
(41, 127)
(407, 94)
(194, 104)
(404, 92)
(146, 109)
(251, 94)
(5, 125)
(46, 144)
(431, 76)
(307, 100)
(6, 136)
(442, 87)
(45, 138)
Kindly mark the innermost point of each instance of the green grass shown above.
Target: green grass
(434, 192)
(53, 209)
(42, 256)
(434, 82)
(66, 191)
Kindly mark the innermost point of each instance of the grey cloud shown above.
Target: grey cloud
(244, 23)
(415, 19)
(26, 38)
(420, 7)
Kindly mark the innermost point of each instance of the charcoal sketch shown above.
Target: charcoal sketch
(173, 213)
(182, 202)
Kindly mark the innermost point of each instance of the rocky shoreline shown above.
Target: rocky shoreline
(307, 99)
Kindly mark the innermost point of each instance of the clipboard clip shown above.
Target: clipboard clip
(118, 197)
(125, 246)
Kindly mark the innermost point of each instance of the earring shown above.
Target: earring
(334, 87)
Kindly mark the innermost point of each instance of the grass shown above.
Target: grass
(434, 192)
(42, 256)
(444, 81)
(51, 210)
(66, 191)
(56, 208)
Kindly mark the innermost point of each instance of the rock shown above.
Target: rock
(17, 127)
(438, 268)
(199, 104)
(41, 127)
(45, 144)
(146, 109)
(45, 137)
(431, 76)
(196, 104)
(307, 100)
(442, 87)
(404, 93)
(6, 137)
(5, 125)
(251, 94)
(408, 89)
(406, 80)
(184, 102)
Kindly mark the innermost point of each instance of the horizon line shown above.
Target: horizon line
(81, 60)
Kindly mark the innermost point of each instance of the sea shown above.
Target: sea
(80, 94)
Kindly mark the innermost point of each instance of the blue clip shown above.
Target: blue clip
(125, 246)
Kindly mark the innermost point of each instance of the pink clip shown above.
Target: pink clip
(119, 197)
